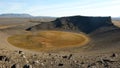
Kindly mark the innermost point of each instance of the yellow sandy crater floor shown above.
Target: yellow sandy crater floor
(47, 40)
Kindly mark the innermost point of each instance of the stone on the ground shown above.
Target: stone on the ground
(27, 66)
(15, 66)
(60, 64)
(69, 57)
(4, 58)
(113, 55)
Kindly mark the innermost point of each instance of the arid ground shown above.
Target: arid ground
(56, 49)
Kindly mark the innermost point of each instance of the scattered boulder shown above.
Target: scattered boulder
(108, 60)
(60, 64)
(36, 62)
(27, 66)
(75, 61)
(49, 54)
(82, 62)
(15, 66)
(4, 58)
(28, 29)
(65, 56)
(92, 65)
(69, 57)
(114, 55)
(23, 56)
(42, 64)
(20, 52)
(100, 62)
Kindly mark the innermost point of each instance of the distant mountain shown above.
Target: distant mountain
(32, 18)
(15, 15)
(116, 18)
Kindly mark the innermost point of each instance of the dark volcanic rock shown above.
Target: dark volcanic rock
(27, 66)
(15, 66)
(113, 55)
(60, 64)
(5, 58)
(75, 23)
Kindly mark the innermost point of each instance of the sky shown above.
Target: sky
(58, 8)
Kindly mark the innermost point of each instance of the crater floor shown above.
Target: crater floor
(48, 40)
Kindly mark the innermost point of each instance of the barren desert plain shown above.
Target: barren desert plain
(67, 42)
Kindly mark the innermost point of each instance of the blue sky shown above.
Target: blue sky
(60, 8)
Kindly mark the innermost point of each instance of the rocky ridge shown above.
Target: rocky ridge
(75, 23)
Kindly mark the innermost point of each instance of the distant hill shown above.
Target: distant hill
(76, 23)
(42, 19)
(15, 15)
(116, 18)
(28, 16)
